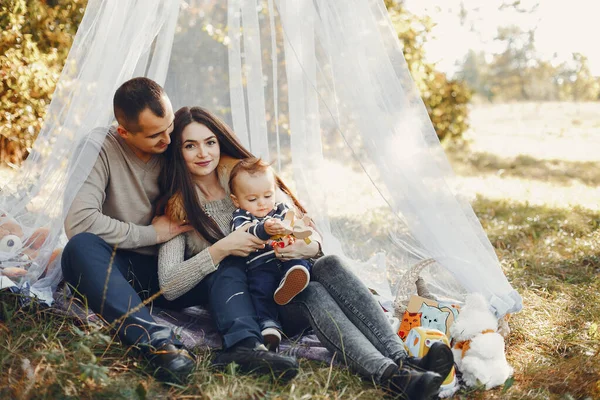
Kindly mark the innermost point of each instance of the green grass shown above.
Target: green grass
(551, 256)
(44, 354)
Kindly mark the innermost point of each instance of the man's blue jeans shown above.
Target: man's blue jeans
(115, 288)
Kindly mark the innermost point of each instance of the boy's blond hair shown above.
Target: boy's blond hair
(251, 165)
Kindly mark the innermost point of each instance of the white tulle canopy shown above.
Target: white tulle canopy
(318, 87)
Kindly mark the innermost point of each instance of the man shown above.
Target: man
(114, 209)
(111, 256)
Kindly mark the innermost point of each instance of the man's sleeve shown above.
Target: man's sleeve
(85, 213)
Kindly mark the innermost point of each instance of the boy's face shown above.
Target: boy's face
(254, 193)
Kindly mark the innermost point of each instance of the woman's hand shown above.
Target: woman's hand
(298, 249)
(238, 243)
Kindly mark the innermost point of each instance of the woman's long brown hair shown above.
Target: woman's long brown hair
(176, 178)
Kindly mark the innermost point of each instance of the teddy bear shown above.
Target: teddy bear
(20, 254)
(478, 348)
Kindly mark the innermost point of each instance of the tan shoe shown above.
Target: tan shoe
(294, 282)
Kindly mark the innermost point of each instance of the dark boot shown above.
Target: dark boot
(439, 359)
(171, 364)
(409, 384)
(258, 360)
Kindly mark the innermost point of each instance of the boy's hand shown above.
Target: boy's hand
(274, 227)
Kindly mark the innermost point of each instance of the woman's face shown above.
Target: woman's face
(200, 150)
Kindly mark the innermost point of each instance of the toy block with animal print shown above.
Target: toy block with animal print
(433, 314)
(409, 321)
(418, 343)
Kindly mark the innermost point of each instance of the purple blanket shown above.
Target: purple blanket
(196, 329)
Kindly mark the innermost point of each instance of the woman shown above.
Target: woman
(340, 309)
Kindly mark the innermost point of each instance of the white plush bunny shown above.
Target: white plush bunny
(478, 348)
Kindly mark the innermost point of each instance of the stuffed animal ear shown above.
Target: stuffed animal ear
(14, 272)
(301, 229)
(37, 239)
(175, 209)
(302, 232)
(12, 227)
(307, 221)
(476, 301)
(290, 216)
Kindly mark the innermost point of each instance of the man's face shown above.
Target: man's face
(153, 134)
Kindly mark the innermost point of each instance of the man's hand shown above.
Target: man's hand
(167, 229)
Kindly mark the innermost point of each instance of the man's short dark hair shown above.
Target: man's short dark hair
(133, 97)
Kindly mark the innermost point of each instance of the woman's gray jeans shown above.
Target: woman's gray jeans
(346, 318)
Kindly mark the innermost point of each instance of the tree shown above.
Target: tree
(446, 99)
(475, 73)
(541, 83)
(37, 35)
(36, 38)
(575, 80)
(510, 75)
(519, 73)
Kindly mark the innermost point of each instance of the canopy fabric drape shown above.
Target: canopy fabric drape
(320, 88)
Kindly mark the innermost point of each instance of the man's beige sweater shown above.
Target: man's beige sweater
(116, 201)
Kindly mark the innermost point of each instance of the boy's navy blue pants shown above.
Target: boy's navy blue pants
(115, 289)
(263, 280)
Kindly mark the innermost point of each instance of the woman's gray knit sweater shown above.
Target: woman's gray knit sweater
(184, 260)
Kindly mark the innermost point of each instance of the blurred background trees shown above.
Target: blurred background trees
(519, 74)
(517, 71)
(446, 99)
(37, 35)
(36, 38)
